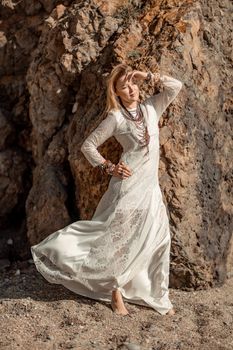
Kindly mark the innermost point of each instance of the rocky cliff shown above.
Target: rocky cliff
(54, 59)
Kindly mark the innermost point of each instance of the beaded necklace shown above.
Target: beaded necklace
(140, 123)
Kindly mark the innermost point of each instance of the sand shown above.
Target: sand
(35, 314)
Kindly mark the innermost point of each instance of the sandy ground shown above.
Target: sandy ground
(35, 314)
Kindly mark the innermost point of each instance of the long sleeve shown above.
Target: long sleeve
(103, 131)
(171, 88)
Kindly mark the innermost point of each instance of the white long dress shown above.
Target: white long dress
(126, 244)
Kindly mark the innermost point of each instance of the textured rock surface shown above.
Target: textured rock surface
(55, 56)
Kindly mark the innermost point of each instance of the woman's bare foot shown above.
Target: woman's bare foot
(171, 312)
(118, 304)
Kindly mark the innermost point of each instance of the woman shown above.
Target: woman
(124, 250)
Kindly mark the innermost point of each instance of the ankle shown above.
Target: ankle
(116, 293)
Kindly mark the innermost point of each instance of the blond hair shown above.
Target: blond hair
(117, 72)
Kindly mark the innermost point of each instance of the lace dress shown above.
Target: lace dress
(126, 244)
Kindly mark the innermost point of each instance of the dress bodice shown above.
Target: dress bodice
(124, 130)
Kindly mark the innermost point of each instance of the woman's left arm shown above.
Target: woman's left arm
(171, 88)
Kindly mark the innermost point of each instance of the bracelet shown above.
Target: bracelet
(149, 77)
(157, 77)
(107, 166)
(101, 167)
(110, 168)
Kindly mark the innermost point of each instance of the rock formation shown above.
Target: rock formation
(54, 59)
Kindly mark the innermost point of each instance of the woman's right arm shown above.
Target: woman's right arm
(104, 130)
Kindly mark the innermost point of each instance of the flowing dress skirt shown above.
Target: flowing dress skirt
(126, 244)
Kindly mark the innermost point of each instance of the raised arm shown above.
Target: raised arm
(103, 131)
(160, 101)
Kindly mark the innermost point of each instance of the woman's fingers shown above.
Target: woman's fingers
(125, 169)
(138, 75)
(130, 75)
(127, 76)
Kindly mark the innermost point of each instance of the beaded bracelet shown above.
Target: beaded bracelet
(108, 167)
(149, 77)
(155, 77)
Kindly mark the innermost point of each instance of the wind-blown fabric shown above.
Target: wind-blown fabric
(126, 244)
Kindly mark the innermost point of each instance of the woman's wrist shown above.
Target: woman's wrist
(152, 77)
(107, 166)
(149, 76)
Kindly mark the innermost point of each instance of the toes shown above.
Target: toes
(119, 311)
(170, 312)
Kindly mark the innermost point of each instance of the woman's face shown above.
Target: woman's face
(127, 90)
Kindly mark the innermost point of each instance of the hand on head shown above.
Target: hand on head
(135, 75)
(139, 75)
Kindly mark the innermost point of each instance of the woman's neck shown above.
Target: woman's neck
(130, 105)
